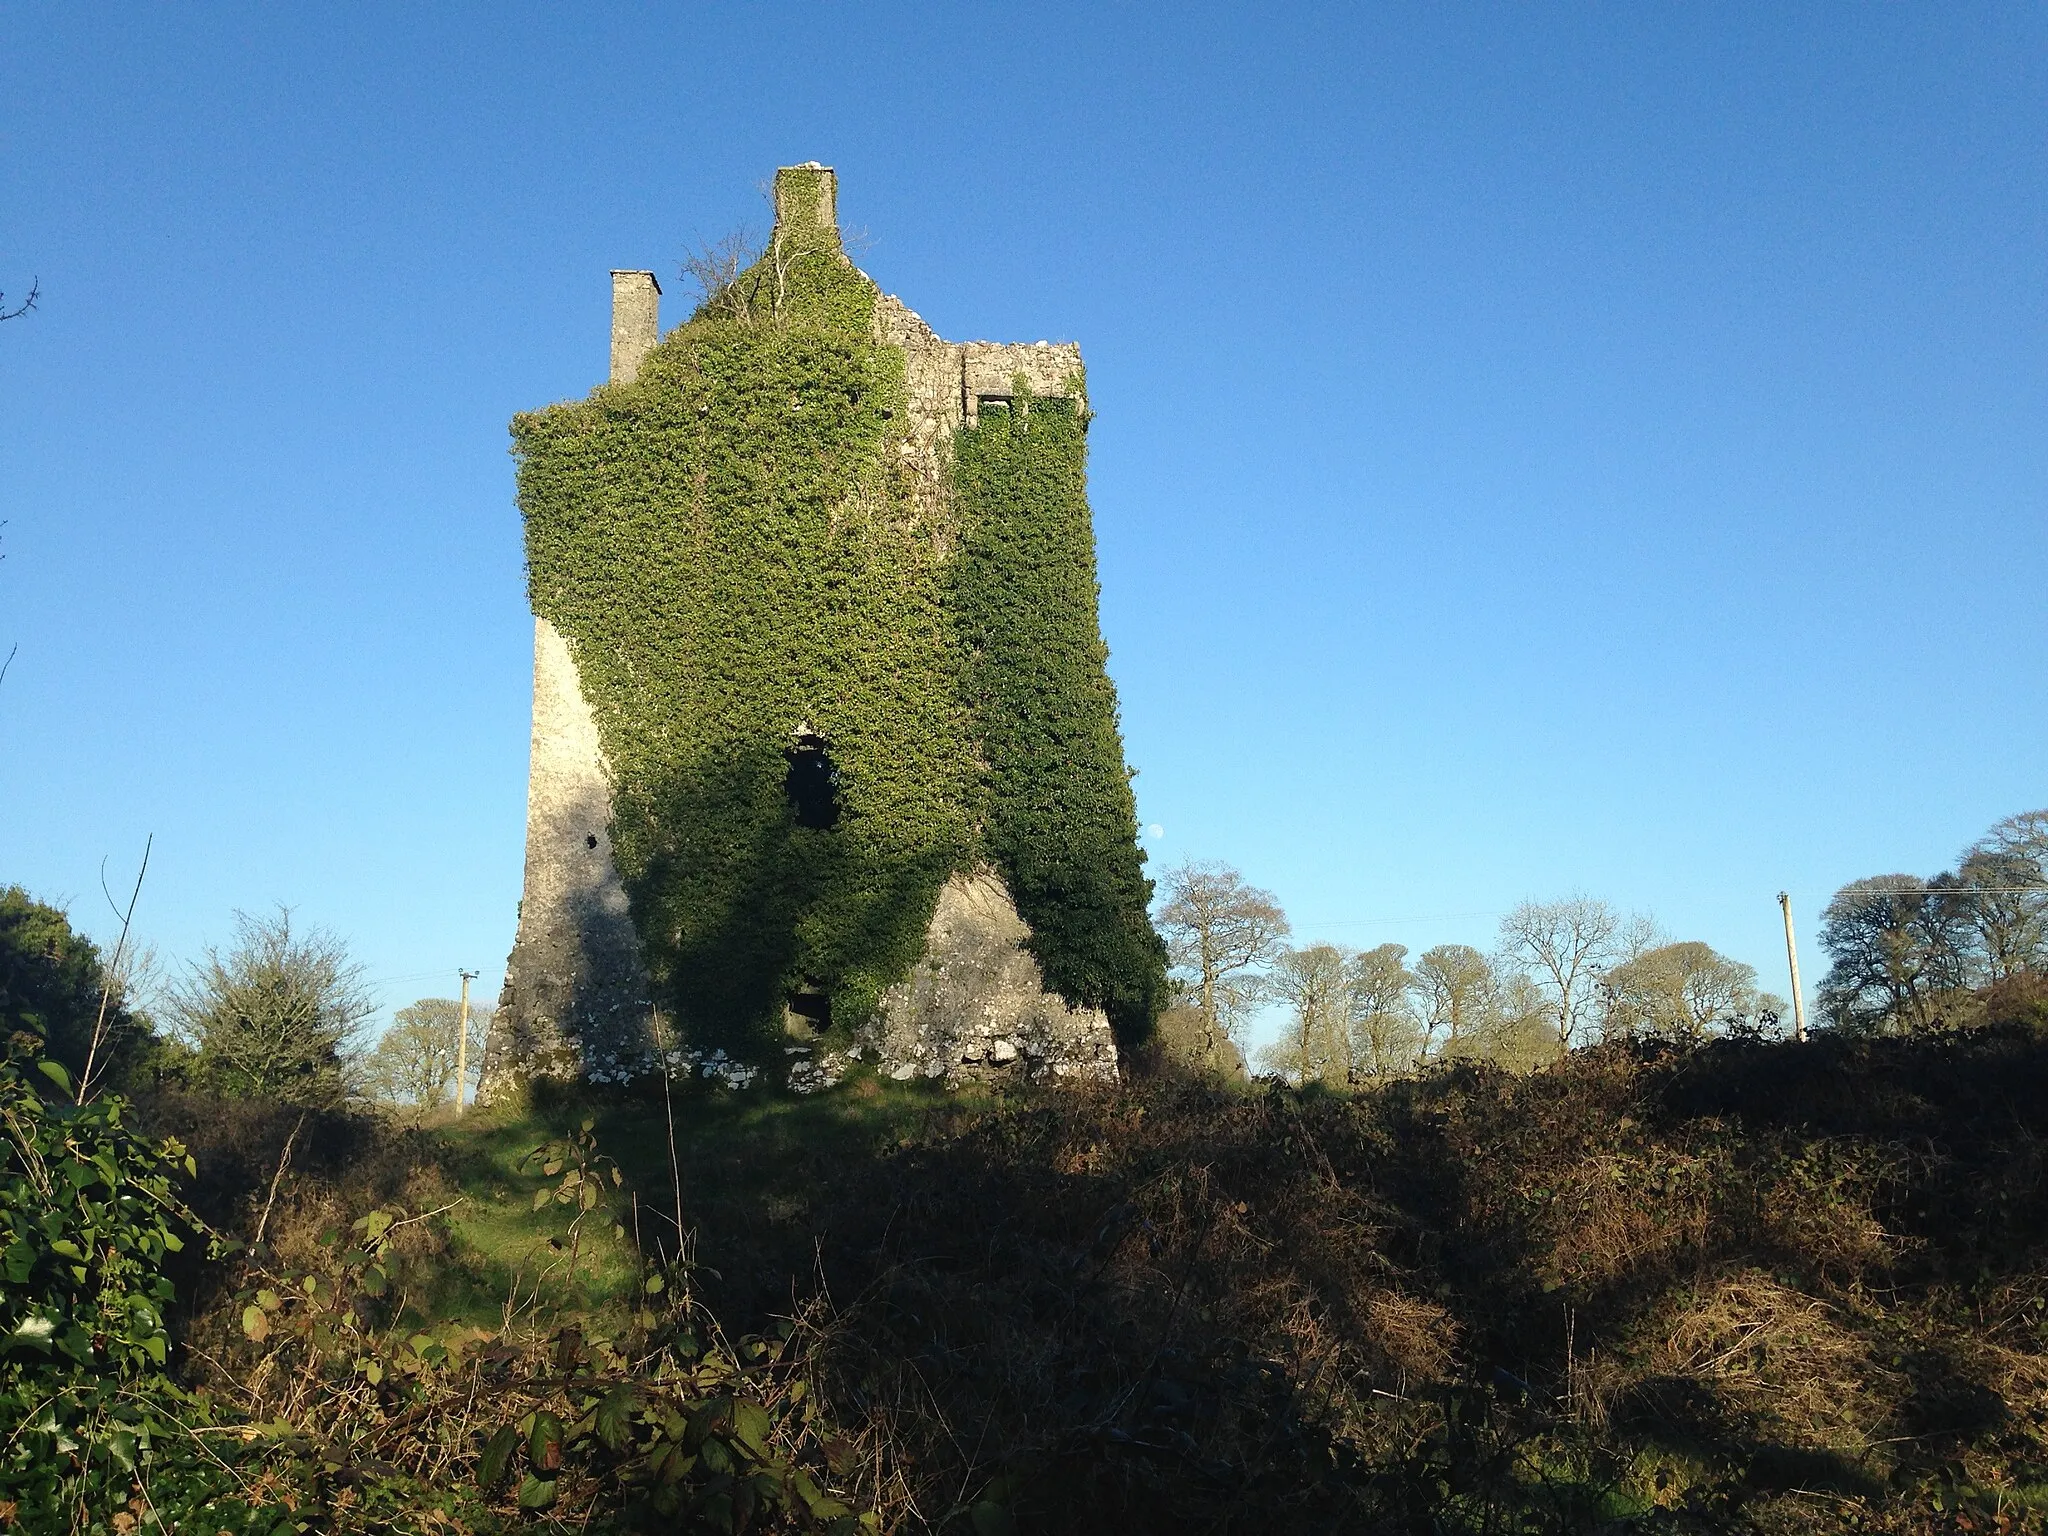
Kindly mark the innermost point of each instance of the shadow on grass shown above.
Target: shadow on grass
(757, 1170)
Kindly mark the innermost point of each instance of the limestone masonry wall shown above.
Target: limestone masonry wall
(576, 996)
(976, 1002)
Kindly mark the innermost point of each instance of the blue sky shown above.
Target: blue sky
(1540, 448)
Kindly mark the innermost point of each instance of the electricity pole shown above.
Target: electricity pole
(1792, 958)
(462, 1038)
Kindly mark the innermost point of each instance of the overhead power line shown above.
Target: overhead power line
(1965, 890)
(392, 981)
(1452, 917)
(1356, 922)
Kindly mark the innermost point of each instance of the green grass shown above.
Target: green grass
(506, 1245)
(748, 1161)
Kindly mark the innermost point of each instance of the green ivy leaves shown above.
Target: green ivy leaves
(1062, 822)
(733, 553)
(88, 1216)
(86, 1222)
(718, 1446)
(735, 547)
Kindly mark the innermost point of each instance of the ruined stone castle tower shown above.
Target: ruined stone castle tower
(818, 699)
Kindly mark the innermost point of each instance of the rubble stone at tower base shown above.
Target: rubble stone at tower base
(976, 1004)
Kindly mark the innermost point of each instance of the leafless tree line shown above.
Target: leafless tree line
(1562, 973)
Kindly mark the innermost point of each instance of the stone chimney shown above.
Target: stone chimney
(636, 322)
(806, 198)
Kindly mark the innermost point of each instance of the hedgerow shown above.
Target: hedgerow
(1744, 1286)
(734, 548)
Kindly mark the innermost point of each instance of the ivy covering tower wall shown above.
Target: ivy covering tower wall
(744, 553)
(1060, 820)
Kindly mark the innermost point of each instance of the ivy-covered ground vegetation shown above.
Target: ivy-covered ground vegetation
(1737, 1284)
(736, 548)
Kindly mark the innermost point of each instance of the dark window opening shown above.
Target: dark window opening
(812, 784)
(812, 1007)
(984, 404)
(590, 841)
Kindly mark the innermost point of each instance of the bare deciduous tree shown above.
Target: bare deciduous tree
(1566, 944)
(1315, 983)
(1385, 1035)
(1220, 934)
(1514, 1029)
(414, 1062)
(1681, 991)
(2006, 876)
(716, 268)
(1910, 954)
(1899, 947)
(1637, 936)
(1456, 983)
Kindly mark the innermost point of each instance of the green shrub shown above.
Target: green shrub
(343, 1407)
(89, 1216)
(51, 984)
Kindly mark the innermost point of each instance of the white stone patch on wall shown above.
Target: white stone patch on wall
(976, 1004)
(809, 1075)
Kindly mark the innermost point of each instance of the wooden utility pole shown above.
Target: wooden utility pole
(462, 1039)
(1792, 959)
